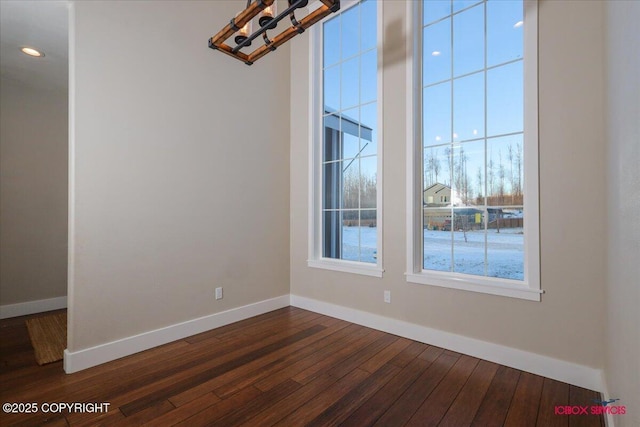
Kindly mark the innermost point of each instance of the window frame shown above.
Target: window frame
(529, 288)
(315, 225)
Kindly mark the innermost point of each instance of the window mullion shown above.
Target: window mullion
(486, 210)
(451, 138)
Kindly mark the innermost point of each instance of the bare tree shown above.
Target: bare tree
(518, 188)
(460, 175)
(479, 177)
(426, 169)
(448, 153)
(350, 189)
(512, 180)
(432, 167)
(464, 178)
(491, 176)
(435, 164)
(358, 190)
(501, 177)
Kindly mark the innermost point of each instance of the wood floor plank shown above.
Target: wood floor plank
(182, 413)
(231, 353)
(554, 393)
(579, 396)
(380, 359)
(343, 338)
(369, 412)
(192, 381)
(132, 364)
(103, 419)
(290, 320)
(146, 415)
(133, 371)
(242, 324)
(265, 400)
(328, 362)
(347, 404)
(302, 322)
(330, 321)
(363, 355)
(405, 357)
(495, 405)
(144, 373)
(232, 381)
(56, 422)
(292, 402)
(136, 387)
(20, 420)
(276, 361)
(466, 404)
(20, 379)
(312, 408)
(431, 353)
(439, 401)
(403, 409)
(523, 411)
(218, 410)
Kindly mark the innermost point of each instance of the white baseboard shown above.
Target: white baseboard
(31, 307)
(546, 366)
(82, 359)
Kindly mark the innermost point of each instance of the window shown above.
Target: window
(345, 217)
(474, 142)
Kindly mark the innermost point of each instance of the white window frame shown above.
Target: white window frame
(529, 288)
(315, 257)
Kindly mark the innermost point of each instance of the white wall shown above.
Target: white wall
(568, 323)
(179, 170)
(622, 335)
(33, 193)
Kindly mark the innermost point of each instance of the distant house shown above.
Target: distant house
(437, 195)
(441, 211)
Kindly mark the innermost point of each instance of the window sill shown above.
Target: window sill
(485, 285)
(346, 266)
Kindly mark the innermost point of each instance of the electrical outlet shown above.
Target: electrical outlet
(387, 297)
(218, 293)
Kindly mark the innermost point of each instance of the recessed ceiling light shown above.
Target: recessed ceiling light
(435, 53)
(32, 52)
(518, 24)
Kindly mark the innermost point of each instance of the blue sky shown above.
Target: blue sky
(454, 69)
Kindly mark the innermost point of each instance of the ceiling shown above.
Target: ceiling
(43, 25)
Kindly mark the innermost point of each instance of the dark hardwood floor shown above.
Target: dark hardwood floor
(290, 367)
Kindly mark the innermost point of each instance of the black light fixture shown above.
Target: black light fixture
(269, 18)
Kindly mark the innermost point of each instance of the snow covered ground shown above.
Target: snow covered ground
(367, 236)
(504, 250)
